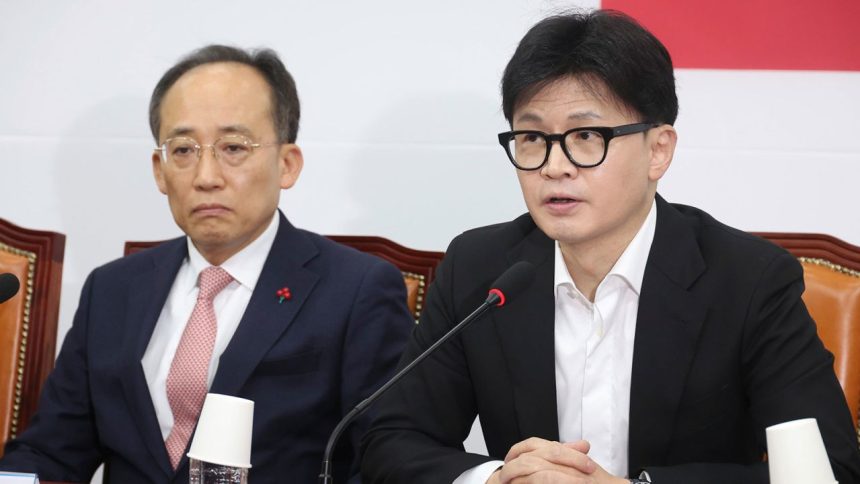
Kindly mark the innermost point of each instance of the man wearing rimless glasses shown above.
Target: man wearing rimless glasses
(654, 345)
(244, 304)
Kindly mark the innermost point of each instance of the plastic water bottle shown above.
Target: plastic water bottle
(202, 472)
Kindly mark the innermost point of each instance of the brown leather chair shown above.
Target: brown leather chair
(418, 266)
(28, 321)
(831, 271)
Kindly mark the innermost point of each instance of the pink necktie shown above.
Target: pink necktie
(187, 381)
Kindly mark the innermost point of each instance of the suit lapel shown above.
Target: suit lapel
(148, 293)
(265, 318)
(667, 329)
(526, 328)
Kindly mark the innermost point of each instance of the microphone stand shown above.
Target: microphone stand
(325, 475)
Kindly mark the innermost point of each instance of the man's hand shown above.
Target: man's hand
(541, 461)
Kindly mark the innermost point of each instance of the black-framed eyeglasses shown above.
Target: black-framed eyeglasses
(183, 152)
(585, 147)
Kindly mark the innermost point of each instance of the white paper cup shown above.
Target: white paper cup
(795, 453)
(223, 433)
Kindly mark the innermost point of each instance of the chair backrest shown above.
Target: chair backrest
(417, 266)
(831, 272)
(28, 321)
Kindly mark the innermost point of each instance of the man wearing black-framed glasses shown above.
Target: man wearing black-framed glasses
(655, 344)
(244, 304)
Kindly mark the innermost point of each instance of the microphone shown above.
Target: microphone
(9, 286)
(512, 282)
(509, 284)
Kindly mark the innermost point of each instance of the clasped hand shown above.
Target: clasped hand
(537, 460)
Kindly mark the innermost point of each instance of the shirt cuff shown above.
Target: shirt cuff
(479, 474)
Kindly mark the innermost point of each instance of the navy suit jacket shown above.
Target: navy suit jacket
(724, 347)
(304, 362)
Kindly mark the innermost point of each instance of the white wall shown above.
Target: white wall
(400, 108)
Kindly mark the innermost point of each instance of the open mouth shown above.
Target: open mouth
(561, 204)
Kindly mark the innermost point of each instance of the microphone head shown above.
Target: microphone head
(511, 283)
(9, 286)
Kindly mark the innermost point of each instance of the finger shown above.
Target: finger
(580, 445)
(549, 474)
(549, 478)
(524, 446)
(563, 455)
(557, 459)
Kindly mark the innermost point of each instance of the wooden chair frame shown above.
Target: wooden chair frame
(836, 255)
(40, 289)
(419, 265)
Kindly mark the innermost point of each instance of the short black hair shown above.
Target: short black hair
(285, 99)
(603, 45)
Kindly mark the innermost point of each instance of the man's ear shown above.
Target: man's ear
(158, 172)
(664, 139)
(292, 161)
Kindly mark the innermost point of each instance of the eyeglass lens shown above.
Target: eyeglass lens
(529, 150)
(184, 152)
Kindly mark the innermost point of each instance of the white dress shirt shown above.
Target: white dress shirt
(245, 268)
(594, 357)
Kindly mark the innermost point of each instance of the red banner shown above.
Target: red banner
(753, 34)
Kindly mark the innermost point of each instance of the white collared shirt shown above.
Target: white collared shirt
(594, 352)
(594, 356)
(245, 268)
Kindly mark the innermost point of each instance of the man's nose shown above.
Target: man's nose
(209, 170)
(557, 163)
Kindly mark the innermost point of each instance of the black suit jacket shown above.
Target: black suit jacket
(724, 347)
(304, 362)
